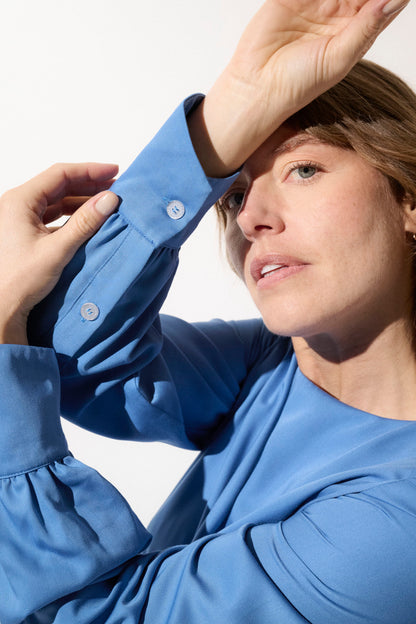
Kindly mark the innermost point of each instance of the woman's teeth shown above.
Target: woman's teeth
(271, 268)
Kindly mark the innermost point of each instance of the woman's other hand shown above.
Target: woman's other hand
(32, 255)
(291, 52)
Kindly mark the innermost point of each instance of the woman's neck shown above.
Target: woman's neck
(376, 375)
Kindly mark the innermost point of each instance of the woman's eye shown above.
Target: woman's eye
(233, 201)
(304, 171)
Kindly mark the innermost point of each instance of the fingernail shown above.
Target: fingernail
(107, 204)
(394, 6)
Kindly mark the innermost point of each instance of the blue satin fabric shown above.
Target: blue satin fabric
(298, 509)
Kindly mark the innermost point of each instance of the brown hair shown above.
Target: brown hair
(373, 112)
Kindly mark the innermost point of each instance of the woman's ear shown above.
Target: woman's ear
(409, 211)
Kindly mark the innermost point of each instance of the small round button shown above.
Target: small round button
(89, 311)
(175, 209)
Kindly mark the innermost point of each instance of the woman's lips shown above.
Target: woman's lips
(271, 268)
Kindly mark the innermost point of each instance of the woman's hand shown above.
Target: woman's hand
(32, 256)
(291, 52)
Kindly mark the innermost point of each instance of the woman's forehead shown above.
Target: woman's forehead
(283, 141)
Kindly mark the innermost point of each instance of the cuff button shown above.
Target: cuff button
(89, 311)
(175, 209)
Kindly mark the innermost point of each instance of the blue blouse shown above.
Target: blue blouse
(299, 508)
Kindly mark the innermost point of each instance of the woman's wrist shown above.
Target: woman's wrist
(228, 126)
(13, 329)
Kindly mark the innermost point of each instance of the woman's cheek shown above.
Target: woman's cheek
(237, 247)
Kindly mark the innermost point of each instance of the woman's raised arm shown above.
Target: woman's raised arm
(291, 52)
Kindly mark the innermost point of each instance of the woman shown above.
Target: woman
(301, 506)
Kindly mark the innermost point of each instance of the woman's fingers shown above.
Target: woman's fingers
(392, 7)
(360, 33)
(68, 205)
(60, 180)
(36, 255)
(65, 207)
(83, 224)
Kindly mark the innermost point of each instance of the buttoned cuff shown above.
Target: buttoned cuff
(31, 432)
(165, 192)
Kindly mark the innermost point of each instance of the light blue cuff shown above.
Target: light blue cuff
(31, 433)
(165, 192)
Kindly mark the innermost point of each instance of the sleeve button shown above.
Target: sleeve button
(175, 209)
(89, 311)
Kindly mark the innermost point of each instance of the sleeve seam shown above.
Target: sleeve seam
(136, 229)
(35, 468)
(362, 490)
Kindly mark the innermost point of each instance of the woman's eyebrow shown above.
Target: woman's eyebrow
(294, 142)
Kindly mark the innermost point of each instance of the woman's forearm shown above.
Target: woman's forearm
(288, 55)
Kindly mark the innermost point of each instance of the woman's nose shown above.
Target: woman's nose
(260, 214)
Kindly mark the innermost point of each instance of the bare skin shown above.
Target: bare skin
(345, 296)
(381, 379)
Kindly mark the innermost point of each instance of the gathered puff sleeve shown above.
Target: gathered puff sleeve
(71, 549)
(118, 361)
(59, 520)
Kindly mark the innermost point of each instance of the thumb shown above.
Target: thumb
(84, 223)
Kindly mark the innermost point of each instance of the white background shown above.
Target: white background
(86, 80)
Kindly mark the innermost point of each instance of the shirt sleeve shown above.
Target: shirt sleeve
(71, 550)
(114, 354)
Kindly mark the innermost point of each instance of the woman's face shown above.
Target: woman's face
(318, 237)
